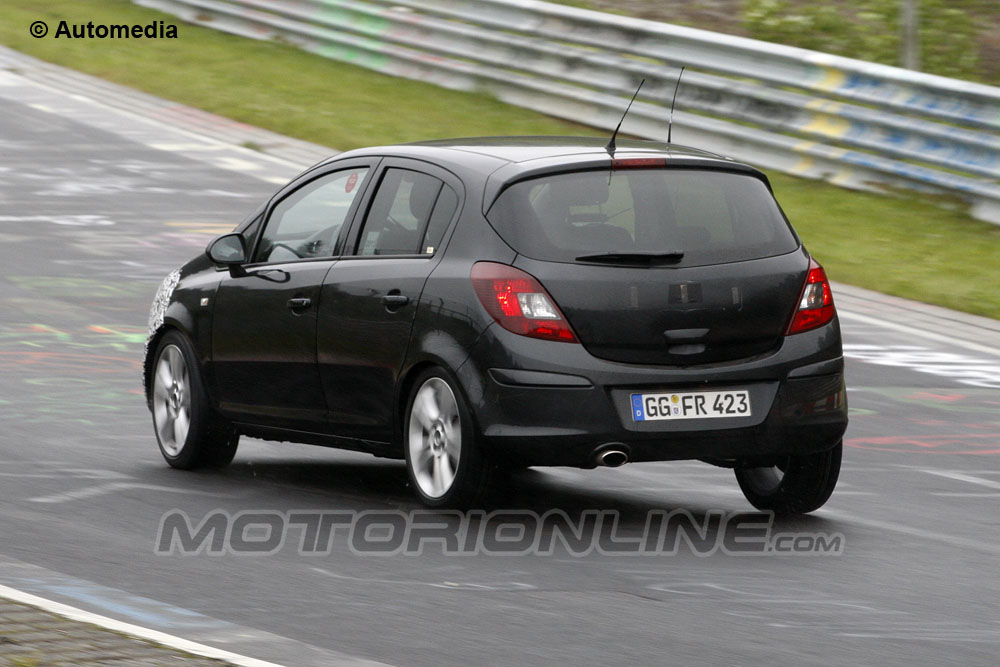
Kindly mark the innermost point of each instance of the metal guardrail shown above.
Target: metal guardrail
(850, 122)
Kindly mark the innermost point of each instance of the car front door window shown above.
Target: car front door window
(307, 223)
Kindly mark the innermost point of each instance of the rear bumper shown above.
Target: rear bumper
(545, 403)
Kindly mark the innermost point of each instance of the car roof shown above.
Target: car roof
(500, 161)
(520, 149)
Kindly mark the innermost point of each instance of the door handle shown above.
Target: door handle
(299, 303)
(395, 301)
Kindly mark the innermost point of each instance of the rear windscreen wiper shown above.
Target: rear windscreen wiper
(646, 258)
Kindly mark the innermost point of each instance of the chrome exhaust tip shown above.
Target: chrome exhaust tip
(612, 458)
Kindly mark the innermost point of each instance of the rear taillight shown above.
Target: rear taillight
(816, 302)
(519, 303)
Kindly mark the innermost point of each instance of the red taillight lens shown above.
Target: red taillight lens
(519, 303)
(815, 303)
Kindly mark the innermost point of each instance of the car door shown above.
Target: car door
(369, 298)
(265, 314)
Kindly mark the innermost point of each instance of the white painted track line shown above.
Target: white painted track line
(162, 638)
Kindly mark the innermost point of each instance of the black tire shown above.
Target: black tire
(798, 485)
(446, 465)
(188, 431)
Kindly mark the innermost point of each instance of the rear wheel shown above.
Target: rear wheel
(797, 485)
(190, 434)
(445, 463)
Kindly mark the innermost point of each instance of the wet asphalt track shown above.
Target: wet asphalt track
(92, 216)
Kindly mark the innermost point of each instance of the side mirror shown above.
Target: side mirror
(228, 250)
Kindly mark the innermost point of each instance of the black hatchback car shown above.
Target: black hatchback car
(477, 305)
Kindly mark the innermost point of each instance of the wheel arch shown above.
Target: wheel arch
(177, 319)
(447, 355)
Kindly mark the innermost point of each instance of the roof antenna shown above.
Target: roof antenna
(610, 148)
(670, 122)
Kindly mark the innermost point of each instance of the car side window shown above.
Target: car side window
(306, 223)
(444, 211)
(399, 216)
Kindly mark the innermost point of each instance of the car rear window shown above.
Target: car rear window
(710, 216)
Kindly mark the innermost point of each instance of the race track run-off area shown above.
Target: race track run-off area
(100, 203)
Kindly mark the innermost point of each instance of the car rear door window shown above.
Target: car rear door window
(444, 211)
(408, 214)
(306, 224)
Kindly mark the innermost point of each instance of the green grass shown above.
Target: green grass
(904, 245)
(263, 83)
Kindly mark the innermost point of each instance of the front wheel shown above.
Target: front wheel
(189, 432)
(445, 464)
(796, 485)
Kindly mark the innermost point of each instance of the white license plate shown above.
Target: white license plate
(690, 405)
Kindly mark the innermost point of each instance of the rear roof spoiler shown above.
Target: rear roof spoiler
(515, 172)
